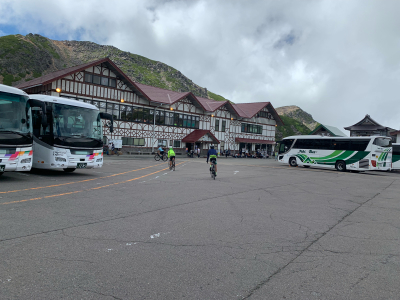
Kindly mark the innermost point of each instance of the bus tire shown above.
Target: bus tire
(340, 166)
(293, 162)
(69, 170)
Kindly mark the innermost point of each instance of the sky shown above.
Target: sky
(338, 60)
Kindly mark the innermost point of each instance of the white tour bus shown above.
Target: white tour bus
(72, 137)
(342, 153)
(15, 129)
(396, 156)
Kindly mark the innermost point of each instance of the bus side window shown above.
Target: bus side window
(396, 149)
(340, 144)
(358, 145)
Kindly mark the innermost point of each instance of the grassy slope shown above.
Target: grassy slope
(14, 48)
(292, 127)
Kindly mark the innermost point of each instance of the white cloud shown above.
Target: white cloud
(336, 59)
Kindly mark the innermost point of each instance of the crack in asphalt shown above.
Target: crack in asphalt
(265, 281)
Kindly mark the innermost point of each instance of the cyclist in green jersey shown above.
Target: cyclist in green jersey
(212, 154)
(171, 155)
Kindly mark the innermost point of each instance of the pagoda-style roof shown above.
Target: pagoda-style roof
(367, 123)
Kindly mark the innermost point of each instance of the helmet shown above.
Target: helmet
(212, 146)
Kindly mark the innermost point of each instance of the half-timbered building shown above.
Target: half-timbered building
(146, 116)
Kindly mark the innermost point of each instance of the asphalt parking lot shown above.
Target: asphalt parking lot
(261, 230)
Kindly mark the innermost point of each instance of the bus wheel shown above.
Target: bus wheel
(293, 162)
(69, 170)
(340, 166)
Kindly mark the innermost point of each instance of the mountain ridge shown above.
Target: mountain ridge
(23, 58)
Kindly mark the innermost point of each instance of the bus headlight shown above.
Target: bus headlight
(61, 159)
(26, 160)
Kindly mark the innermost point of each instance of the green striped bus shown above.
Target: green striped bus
(342, 153)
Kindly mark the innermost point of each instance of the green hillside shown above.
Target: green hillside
(292, 127)
(23, 58)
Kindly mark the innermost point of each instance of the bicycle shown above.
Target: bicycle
(157, 157)
(172, 167)
(212, 170)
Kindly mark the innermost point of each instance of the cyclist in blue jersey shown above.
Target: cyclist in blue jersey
(160, 151)
(212, 155)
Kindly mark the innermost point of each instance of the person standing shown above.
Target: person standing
(198, 152)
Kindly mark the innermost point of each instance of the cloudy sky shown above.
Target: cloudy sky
(337, 60)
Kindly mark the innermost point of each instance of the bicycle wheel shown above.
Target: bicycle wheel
(213, 174)
(165, 158)
(173, 164)
(157, 157)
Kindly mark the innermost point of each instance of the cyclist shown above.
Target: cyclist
(161, 151)
(171, 155)
(212, 154)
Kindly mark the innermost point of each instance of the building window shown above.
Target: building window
(216, 125)
(162, 143)
(223, 126)
(88, 77)
(112, 82)
(251, 128)
(96, 79)
(104, 81)
(177, 144)
(138, 142)
(127, 141)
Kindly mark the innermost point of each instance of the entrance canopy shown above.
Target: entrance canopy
(200, 135)
(252, 141)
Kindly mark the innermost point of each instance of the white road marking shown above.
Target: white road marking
(153, 236)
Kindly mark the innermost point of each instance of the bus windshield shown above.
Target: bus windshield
(285, 145)
(76, 122)
(13, 115)
(383, 142)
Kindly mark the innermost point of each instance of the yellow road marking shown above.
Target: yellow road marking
(73, 182)
(96, 188)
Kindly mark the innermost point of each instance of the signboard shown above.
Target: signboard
(206, 138)
(117, 143)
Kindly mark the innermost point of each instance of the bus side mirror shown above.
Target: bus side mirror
(42, 105)
(109, 117)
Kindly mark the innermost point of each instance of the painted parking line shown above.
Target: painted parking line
(80, 181)
(87, 190)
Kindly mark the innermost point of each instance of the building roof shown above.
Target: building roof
(197, 134)
(48, 78)
(334, 131)
(253, 141)
(367, 123)
(158, 95)
(249, 110)
(395, 132)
